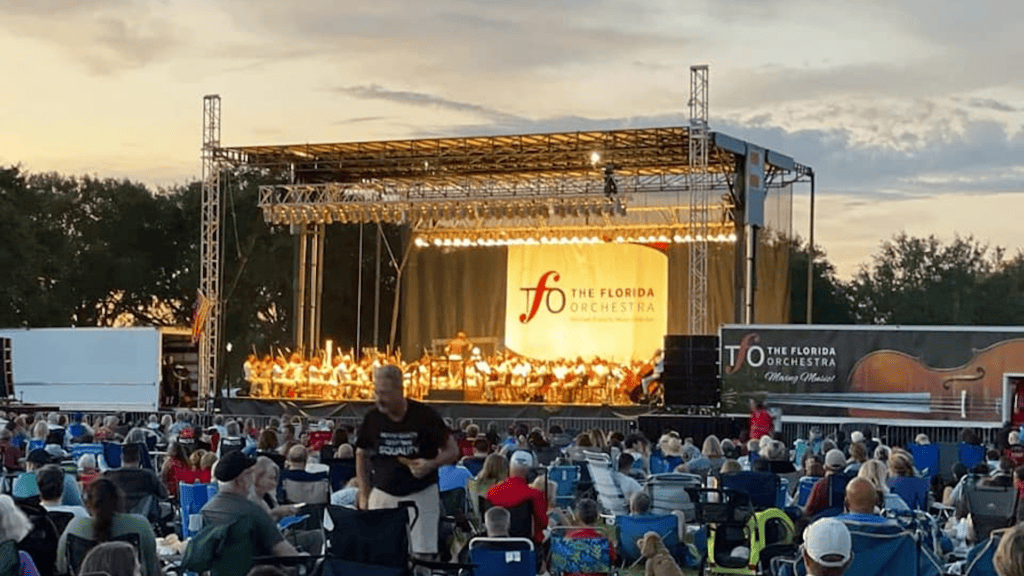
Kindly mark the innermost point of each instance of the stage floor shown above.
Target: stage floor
(480, 411)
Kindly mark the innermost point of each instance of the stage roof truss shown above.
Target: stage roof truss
(539, 177)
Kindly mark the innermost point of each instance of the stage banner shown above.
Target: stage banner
(604, 300)
(936, 373)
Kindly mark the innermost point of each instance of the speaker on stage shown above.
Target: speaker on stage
(6, 369)
(690, 374)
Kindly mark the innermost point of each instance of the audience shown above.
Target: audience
(500, 476)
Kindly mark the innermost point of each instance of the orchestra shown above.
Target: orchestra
(500, 377)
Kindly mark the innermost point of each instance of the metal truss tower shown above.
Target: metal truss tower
(210, 252)
(700, 192)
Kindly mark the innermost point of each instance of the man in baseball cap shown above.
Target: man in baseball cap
(818, 500)
(827, 549)
(235, 473)
(515, 491)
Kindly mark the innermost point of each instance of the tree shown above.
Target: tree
(921, 281)
(832, 304)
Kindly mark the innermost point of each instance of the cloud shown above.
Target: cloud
(423, 100)
(105, 36)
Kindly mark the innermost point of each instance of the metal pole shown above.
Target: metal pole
(300, 296)
(322, 235)
(359, 298)
(376, 293)
(810, 262)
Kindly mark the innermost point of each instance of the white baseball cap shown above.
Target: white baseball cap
(856, 436)
(521, 458)
(828, 543)
(835, 459)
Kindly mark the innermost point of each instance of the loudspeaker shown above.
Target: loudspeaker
(690, 374)
(6, 369)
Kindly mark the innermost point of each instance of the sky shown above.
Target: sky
(909, 111)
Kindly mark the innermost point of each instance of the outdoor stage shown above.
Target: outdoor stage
(546, 251)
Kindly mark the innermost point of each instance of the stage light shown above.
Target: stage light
(446, 242)
(663, 239)
(594, 239)
(595, 158)
(620, 239)
(732, 237)
(699, 238)
(421, 243)
(678, 239)
(544, 240)
(720, 238)
(688, 238)
(438, 242)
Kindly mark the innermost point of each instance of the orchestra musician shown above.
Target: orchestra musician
(502, 377)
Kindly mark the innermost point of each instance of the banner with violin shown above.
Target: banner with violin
(583, 301)
(938, 373)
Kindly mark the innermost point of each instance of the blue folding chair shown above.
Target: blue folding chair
(76, 430)
(762, 487)
(970, 454)
(914, 491)
(36, 445)
(566, 477)
(926, 459)
(633, 528)
(192, 498)
(78, 450)
(804, 489)
(502, 557)
(112, 454)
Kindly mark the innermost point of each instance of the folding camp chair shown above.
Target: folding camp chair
(761, 487)
(609, 495)
(990, 508)
(301, 486)
(191, 499)
(503, 556)
(669, 493)
(913, 491)
(567, 478)
(571, 555)
(633, 528)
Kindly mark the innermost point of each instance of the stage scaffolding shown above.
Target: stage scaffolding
(631, 185)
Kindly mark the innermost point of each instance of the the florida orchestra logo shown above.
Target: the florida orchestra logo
(587, 302)
(543, 293)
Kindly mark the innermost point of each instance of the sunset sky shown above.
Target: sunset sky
(910, 112)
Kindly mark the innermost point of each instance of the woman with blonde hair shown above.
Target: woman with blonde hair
(494, 471)
(876, 472)
(712, 450)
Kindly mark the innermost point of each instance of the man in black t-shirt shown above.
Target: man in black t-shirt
(399, 448)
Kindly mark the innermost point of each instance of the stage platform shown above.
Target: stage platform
(571, 417)
(477, 411)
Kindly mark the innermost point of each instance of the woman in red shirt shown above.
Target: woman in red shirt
(176, 469)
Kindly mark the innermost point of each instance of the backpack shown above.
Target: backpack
(223, 549)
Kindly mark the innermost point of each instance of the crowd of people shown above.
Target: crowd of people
(499, 377)
(404, 453)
